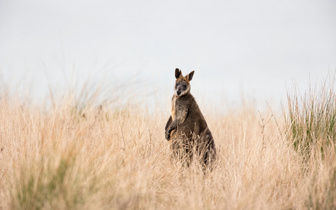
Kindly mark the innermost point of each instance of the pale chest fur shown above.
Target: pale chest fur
(179, 109)
(174, 108)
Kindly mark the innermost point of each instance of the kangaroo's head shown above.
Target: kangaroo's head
(182, 84)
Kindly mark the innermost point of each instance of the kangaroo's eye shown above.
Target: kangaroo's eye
(184, 86)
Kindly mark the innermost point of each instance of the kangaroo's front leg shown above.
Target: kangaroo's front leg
(170, 128)
(167, 126)
(180, 118)
(168, 122)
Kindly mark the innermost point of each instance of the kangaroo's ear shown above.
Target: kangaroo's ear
(190, 76)
(178, 73)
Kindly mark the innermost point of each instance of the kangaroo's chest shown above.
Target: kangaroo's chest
(174, 108)
(177, 108)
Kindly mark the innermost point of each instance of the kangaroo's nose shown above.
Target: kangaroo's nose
(178, 92)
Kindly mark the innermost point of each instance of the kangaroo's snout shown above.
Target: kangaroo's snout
(178, 92)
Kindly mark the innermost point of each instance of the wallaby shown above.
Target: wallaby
(186, 127)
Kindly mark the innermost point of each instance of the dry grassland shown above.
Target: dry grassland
(118, 159)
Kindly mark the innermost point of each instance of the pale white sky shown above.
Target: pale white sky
(255, 47)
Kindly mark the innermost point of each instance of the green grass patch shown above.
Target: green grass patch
(49, 186)
(311, 118)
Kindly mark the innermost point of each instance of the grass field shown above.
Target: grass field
(117, 158)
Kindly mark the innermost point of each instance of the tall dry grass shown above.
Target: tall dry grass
(117, 158)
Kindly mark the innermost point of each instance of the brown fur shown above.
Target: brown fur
(187, 129)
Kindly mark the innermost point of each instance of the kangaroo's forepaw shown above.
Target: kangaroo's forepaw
(167, 135)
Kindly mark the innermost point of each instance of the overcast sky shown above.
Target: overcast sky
(255, 47)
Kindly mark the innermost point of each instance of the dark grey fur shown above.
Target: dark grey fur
(186, 127)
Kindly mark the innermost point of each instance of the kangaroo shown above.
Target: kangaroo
(186, 127)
